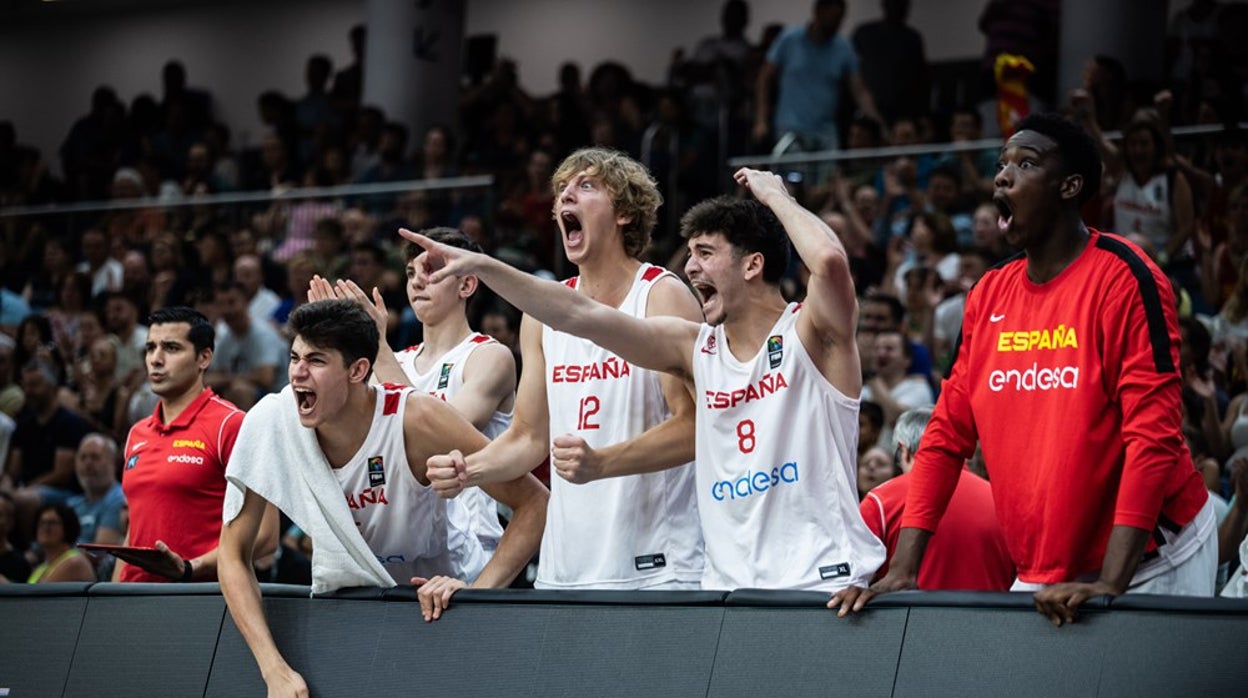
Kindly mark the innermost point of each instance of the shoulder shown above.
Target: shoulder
(670, 296)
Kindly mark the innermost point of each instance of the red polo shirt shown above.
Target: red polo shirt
(174, 479)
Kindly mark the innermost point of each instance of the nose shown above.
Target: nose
(567, 193)
(1004, 177)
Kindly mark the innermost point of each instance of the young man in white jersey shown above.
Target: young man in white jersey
(639, 531)
(777, 388)
(469, 370)
(375, 442)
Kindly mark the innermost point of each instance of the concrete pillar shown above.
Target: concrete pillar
(412, 61)
(1133, 31)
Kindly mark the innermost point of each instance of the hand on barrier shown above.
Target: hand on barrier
(575, 460)
(853, 599)
(1060, 602)
(285, 681)
(435, 594)
(448, 474)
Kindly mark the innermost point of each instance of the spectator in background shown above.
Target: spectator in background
(1022, 27)
(96, 393)
(299, 273)
(100, 504)
(11, 396)
(893, 386)
(946, 323)
(875, 467)
(967, 552)
(262, 302)
(40, 466)
(328, 247)
(13, 564)
(349, 82)
(56, 532)
(987, 236)
(391, 167)
(811, 64)
(894, 64)
(249, 355)
(315, 119)
(105, 272)
(91, 150)
(196, 102)
(1153, 199)
(174, 474)
(870, 425)
(364, 140)
(121, 318)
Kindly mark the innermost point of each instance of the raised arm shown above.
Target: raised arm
(660, 344)
(242, 596)
(830, 312)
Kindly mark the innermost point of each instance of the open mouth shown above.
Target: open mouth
(1005, 212)
(305, 400)
(572, 230)
(705, 291)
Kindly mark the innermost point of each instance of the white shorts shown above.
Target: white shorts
(1192, 573)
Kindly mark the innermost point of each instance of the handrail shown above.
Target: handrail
(893, 151)
(473, 182)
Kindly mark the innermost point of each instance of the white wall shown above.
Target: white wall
(49, 68)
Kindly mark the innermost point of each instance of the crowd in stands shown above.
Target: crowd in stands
(920, 230)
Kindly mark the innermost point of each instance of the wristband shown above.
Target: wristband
(187, 570)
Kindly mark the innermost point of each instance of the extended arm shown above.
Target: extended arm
(242, 596)
(659, 344)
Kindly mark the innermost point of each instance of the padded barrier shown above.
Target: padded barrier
(178, 639)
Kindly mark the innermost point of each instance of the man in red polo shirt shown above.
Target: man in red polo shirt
(967, 552)
(174, 474)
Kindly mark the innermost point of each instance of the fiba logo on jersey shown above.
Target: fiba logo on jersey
(445, 379)
(775, 350)
(376, 472)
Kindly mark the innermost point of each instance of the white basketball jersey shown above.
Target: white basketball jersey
(443, 381)
(1145, 209)
(777, 478)
(407, 525)
(639, 531)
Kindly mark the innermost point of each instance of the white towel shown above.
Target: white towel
(279, 459)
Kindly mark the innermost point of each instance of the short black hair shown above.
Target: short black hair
(896, 309)
(873, 412)
(201, 334)
(748, 225)
(341, 325)
(445, 235)
(71, 528)
(1075, 147)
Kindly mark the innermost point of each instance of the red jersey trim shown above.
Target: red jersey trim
(652, 273)
(392, 403)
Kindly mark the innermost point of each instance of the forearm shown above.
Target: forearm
(663, 446)
(550, 303)
(519, 543)
(1122, 556)
(908, 558)
(814, 241)
(512, 455)
(242, 596)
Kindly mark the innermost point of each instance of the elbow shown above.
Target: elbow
(830, 262)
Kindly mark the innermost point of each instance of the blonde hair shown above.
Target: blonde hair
(633, 191)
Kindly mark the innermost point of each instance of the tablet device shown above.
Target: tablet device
(135, 554)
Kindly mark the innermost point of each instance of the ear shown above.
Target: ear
(1071, 186)
(359, 369)
(204, 360)
(752, 265)
(468, 286)
(623, 221)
